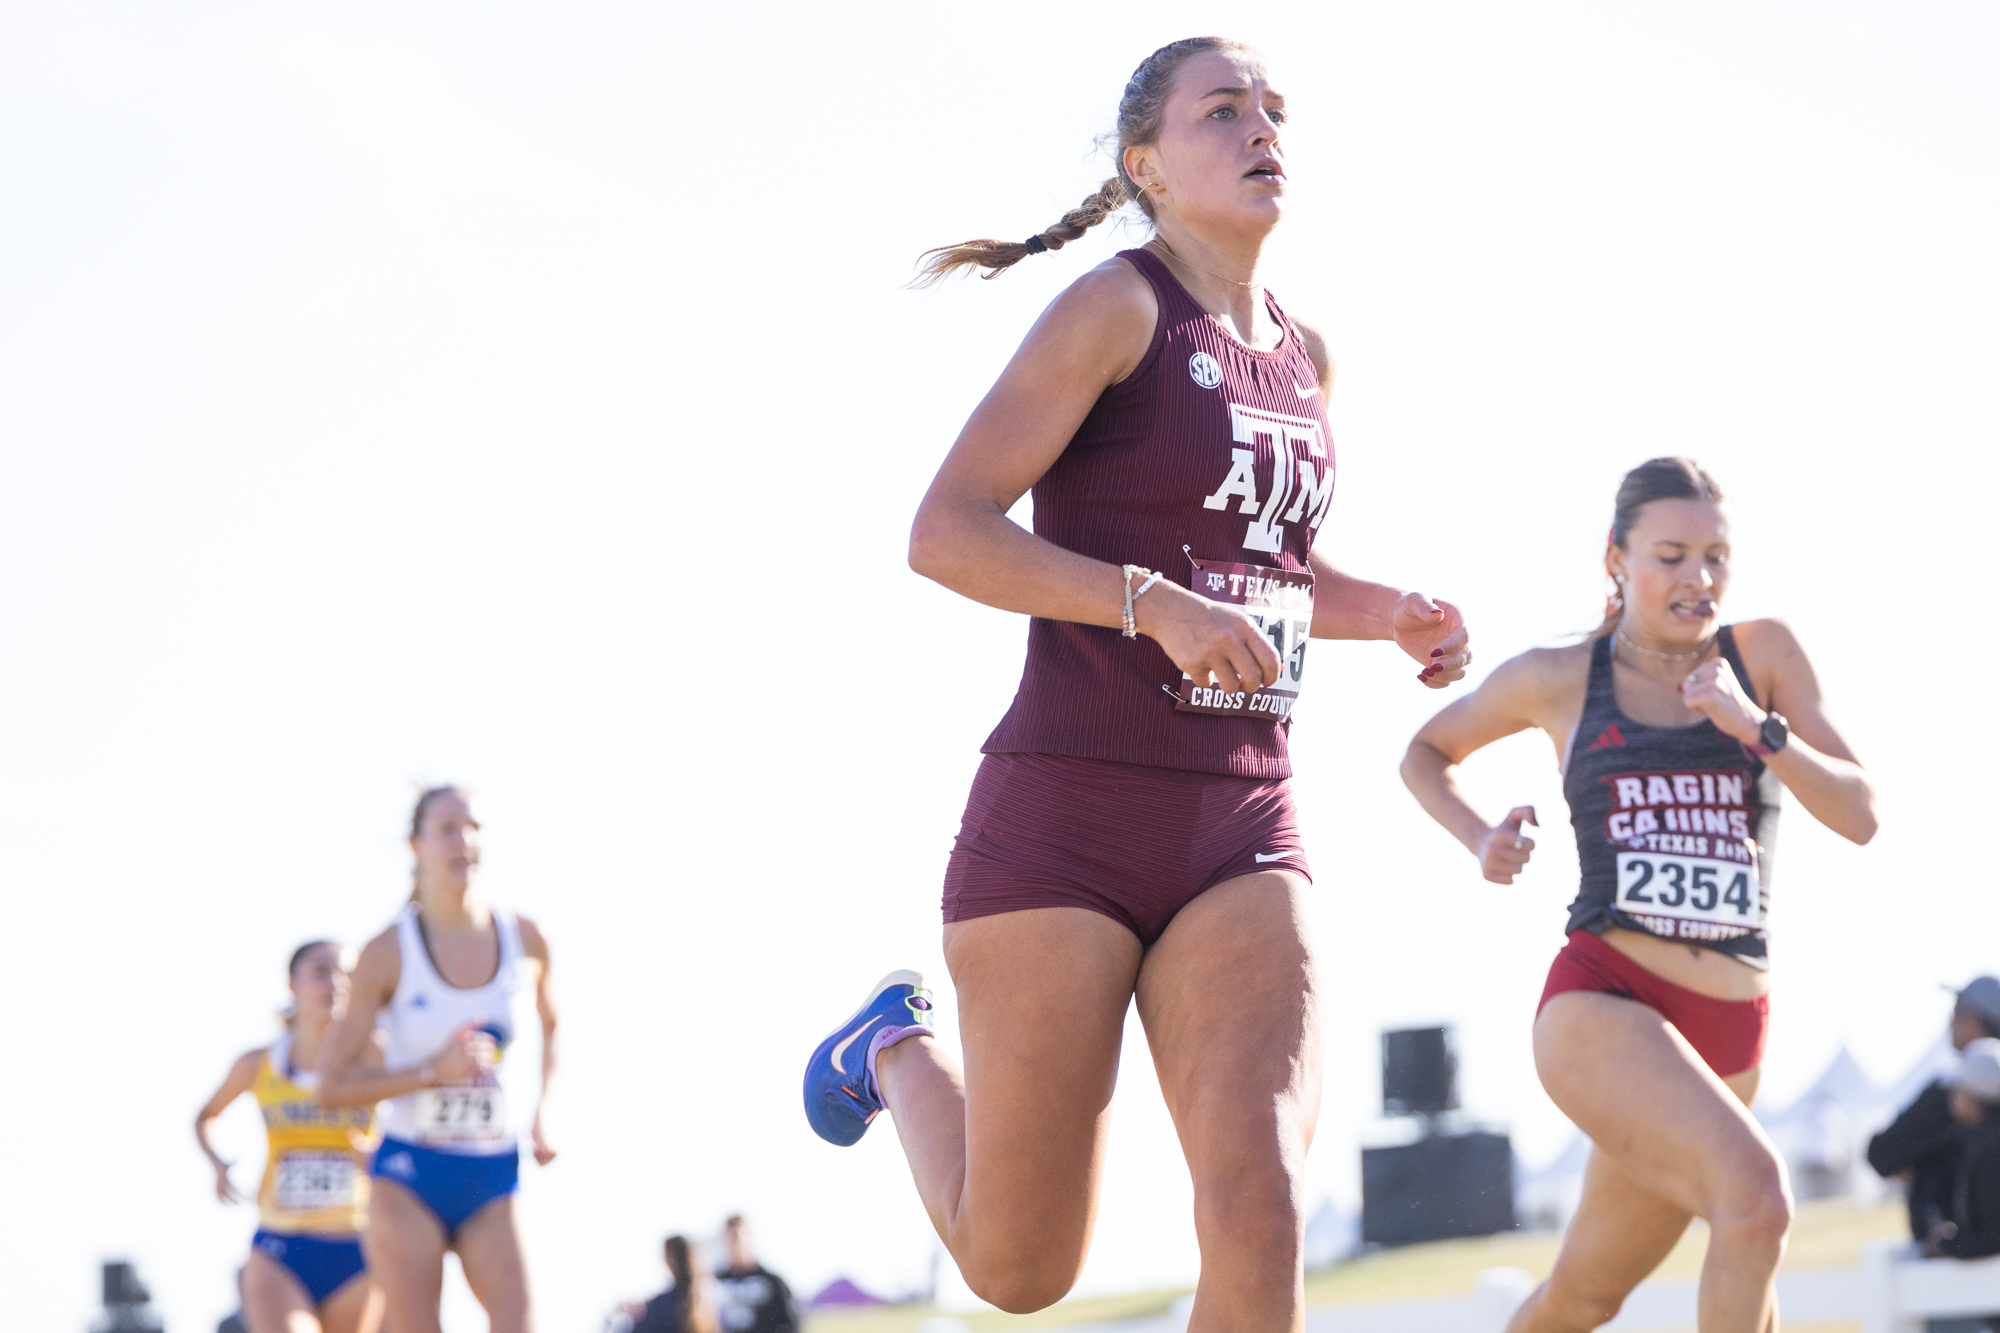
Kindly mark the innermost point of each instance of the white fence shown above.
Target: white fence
(1891, 1292)
(1899, 1292)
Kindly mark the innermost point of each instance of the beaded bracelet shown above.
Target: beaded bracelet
(1132, 625)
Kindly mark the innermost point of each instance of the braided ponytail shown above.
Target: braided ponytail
(996, 257)
(1140, 111)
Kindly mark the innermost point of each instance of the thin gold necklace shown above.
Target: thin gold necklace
(1699, 651)
(1234, 282)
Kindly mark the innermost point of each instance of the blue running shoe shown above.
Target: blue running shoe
(839, 1102)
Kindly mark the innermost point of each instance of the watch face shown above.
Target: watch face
(1775, 732)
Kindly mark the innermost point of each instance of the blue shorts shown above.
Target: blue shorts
(322, 1264)
(452, 1185)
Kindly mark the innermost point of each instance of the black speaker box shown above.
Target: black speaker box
(1419, 1072)
(1437, 1189)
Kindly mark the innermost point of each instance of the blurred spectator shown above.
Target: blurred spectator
(752, 1299)
(689, 1305)
(1973, 1227)
(1923, 1145)
(1977, 1013)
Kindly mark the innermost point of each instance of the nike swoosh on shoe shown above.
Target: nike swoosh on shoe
(841, 1049)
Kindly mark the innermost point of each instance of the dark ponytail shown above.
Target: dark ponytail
(1654, 479)
(1140, 112)
(694, 1287)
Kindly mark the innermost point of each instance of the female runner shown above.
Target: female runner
(305, 1270)
(445, 984)
(1131, 830)
(1674, 733)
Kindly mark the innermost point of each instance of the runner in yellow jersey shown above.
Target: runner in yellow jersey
(305, 1270)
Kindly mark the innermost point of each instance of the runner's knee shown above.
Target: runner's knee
(1579, 1304)
(1254, 1209)
(1756, 1209)
(1020, 1284)
(1759, 1211)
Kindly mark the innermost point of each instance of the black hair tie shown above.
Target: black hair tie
(1035, 245)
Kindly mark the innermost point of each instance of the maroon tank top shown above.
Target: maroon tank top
(1208, 451)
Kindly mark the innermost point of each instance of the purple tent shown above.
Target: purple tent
(841, 1292)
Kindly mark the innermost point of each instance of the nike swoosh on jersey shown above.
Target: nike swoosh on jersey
(1274, 856)
(1305, 393)
(841, 1049)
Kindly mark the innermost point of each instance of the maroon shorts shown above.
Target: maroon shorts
(1729, 1034)
(1135, 843)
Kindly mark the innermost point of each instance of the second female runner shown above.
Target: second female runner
(306, 1270)
(1131, 830)
(444, 989)
(1675, 733)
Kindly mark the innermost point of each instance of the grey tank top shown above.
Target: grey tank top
(1674, 825)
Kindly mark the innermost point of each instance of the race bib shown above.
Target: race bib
(1689, 897)
(1280, 602)
(310, 1181)
(462, 1113)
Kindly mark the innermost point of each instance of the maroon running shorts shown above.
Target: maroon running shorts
(1132, 842)
(1729, 1034)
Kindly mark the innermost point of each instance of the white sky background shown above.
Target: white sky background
(526, 397)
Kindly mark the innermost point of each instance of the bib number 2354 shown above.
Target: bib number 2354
(1280, 603)
(1695, 893)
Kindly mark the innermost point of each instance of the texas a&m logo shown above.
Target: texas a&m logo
(1295, 480)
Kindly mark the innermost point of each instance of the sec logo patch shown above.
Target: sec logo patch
(1204, 371)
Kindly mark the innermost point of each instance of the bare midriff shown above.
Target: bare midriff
(1703, 971)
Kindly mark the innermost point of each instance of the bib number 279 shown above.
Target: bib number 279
(461, 1114)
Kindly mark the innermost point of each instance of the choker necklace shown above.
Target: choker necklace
(1161, 242)
(1699, 651)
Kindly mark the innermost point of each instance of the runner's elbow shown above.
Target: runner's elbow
(950, 532)
(1422, 762)
(936, 542)
(925, 543)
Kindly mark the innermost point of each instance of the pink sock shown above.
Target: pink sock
(883, 1039)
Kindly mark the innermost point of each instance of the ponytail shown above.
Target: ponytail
(1140, 112)
(996, 257)
(694, 1287)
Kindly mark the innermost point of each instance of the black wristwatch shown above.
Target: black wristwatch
(1771, 737)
